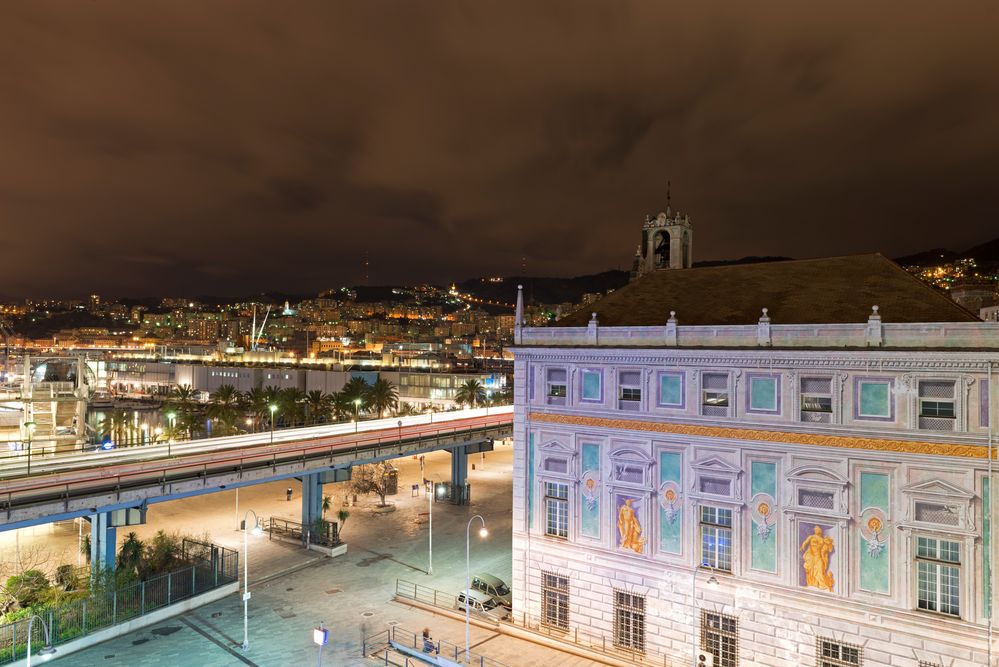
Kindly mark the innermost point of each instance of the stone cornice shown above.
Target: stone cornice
(799, 359)
(762, 435)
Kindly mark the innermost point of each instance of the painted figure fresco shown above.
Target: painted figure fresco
(629, 528)
(816, 549)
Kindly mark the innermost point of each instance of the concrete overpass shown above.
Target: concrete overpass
(96, 484)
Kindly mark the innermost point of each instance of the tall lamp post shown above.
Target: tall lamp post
(172, 420)
(273, 409)
(430, 526)
(47, 650)
(483, 533)
(256, 530)
(712, 580)
(29, 427)
(357, 413)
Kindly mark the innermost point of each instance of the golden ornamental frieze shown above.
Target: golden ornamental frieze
(760, 435)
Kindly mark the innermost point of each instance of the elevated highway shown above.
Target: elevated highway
(95, 483)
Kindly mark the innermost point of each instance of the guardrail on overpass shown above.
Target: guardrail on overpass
(80, 492)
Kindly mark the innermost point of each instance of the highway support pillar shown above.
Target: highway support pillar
(459, 475)
(312, 500)
(103, 542)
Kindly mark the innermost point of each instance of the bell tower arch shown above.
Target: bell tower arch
(667, 240)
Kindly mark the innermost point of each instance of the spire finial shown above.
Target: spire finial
(667, 194)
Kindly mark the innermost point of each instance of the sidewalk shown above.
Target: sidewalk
(350, 594)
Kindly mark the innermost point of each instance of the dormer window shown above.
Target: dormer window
(714, 394)
(936, 405)
(816, 400)
(629, 396)
(556, 386)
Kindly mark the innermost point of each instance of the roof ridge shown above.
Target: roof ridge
(799, 260)
(937, 294)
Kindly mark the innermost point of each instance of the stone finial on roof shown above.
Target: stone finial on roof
(763, 329)
(671, 329)
(875, 332)
(591, 328)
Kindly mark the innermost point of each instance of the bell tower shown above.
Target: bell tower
(666, 241)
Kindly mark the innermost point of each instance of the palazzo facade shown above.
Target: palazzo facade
(771, 464)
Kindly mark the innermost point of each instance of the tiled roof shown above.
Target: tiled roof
(831, 290)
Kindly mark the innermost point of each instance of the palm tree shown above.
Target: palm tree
(224, 407)
(382, 396)
(182, 401)
(317, 406)
(470, 393)
(114, 426)
(130, 555)
(406, 410)
(356, 389)
(343, 407)
(292, 402)
(355, 394)
(273, 396)
(256, 402)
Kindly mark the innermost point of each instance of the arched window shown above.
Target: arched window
(662, 248)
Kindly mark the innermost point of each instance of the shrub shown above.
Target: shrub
(162, 552)
(27, 587)
(67, 577)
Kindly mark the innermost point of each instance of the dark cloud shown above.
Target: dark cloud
(229, 147)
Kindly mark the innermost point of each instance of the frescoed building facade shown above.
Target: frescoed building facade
(780, 464)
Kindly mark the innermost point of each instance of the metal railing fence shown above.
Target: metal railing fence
(102, 609)
(324, 533)
(380, 644)
(576, 636)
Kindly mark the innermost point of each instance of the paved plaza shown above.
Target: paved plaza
(294, 590)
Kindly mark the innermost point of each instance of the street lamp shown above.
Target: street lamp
(30, 428)
(47, 650)
(273, 409)
(430, 526)
(172, 419)
(712, 581)
(256, 530)
(357, 413)
(483, 533)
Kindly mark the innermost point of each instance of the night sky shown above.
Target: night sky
(182, 147)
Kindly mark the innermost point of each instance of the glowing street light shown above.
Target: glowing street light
(257, 530)
(30, 428)
(273, 409)
(483, 533)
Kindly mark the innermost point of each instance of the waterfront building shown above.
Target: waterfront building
(778, 464)
(420, 388)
